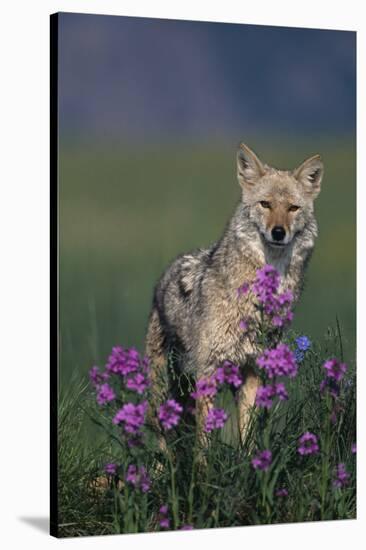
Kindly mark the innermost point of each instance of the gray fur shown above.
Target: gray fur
(196, 307)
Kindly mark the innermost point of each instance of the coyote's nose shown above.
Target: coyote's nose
(278, 233)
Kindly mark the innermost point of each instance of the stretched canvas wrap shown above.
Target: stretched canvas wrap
(203, 318)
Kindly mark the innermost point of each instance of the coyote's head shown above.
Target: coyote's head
(279, 203)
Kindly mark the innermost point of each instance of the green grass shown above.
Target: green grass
(126, 213)
(227, 491)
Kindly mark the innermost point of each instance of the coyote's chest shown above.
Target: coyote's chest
(227, 327)
(233, 316)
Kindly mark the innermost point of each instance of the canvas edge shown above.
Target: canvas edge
(54, 286)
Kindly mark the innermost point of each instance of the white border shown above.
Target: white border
(24, 34)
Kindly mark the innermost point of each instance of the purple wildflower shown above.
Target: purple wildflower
(115, 359)
(228, 373)
(133, 417)
(308, 444)
(186, 527)
(205, 387)
(280, 391)
(164, 521)
(97, 377)
(123, 361)
(215, 419)
(279, 361)
(281, 492)
(105, 394)
(278, 321)
(110, 468)
(145, 364)
(243, 289)
(264, 397)
(335, 369)
(266, 283)
(169, 414)
(220, 376)
(138, 477)
(265, 394)
(353, 448)
(280, 309)
(145, 482)
(285, 298)
(262, 460)
(244, 325)
(138, 383)
(132, 474)
(266, 289)
(274, 304)
(342, 476)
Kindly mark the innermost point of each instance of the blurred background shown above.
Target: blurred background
(150, 115)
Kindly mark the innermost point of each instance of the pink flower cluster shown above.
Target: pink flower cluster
(169, 414)
(276, 305)
(132, 417)
(110, 468)
(334, 373)
(308, 444)
(97, 377)
(128, 364)
(215, 420)
(164, 520)
(123, 361)
(125, 364)
(342, 477)
(266, 394)
(278, 361)
(335, 369)
(262, 460)
(228, 373)
(138, 477)
(266, 283)
(105, 393)
(205, 387)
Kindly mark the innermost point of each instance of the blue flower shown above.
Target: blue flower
(299, 355)
(303, 343)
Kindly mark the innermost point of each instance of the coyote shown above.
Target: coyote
(196, 309)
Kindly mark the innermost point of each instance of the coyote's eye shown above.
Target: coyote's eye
(293, 208)
(265, 204)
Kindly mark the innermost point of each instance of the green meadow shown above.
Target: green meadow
(124, 215)
(126, 212)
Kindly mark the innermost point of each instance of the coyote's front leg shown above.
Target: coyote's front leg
(158, 375)
(157, 396)
(246, 399)
(203, 406)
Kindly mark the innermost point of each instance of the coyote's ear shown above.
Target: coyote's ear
(250, 169)
(310, 174)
